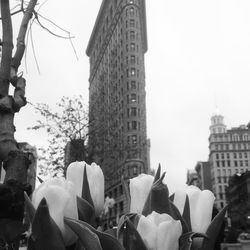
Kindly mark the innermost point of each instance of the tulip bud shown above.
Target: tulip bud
(61, 199)
(95, 179)
(139, 190)
(201, 206)
(160, 231)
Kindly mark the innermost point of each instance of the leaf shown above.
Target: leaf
(158, 173)
(45, 232)
(213, 230)
(186, 214)
(86, 212)
(157, 198)
(107, 241)
(29, 207)
(89, 239)
(186, 240)
(40, 180)
(133, 240)
(85, 188)
(126, 191)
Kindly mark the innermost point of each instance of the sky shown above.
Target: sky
(198, 60)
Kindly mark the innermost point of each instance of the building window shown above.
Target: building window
(134, 125)
(133, 98)
(132, 59)
(132, 35)
(134, 139)
(132, 23)
(133, 111)
(132, 11)
(132, 47)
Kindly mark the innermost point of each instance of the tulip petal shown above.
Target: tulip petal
(213, 230)
(139, 190)
(107, 241)
(168, 234)
(45, 233)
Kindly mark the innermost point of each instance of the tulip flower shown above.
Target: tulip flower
(95, 179)
(139, 190)
(61, 199)
(201, 206)
(160, 231)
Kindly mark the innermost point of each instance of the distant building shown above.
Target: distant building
(192, 178)
(117, 98)
(229, 153)
(238, 195)
(204, 175)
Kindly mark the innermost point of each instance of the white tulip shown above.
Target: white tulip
(61, 200)
(95, 179)
(160, 231)
(201, 206)
(139, 190)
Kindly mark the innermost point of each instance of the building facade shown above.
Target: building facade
(203, 171)
(117, 98)
(229, 153)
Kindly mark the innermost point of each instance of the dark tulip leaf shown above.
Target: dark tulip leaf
(88, 239)
(112, 232)
(40, 180)
(133, 240)
(171, 197)
(157, 199)
(186, 214)
(29, 207)
(134, 218)
(126, 191)
(213, 230)
(85, 188)
(186, 240)
(175, 214)
(86, 211)
(158, 173)
(107, 241)
(45, 232)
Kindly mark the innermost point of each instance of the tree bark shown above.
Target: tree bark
(15, 162)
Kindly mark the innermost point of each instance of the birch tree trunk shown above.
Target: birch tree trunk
(15, 162)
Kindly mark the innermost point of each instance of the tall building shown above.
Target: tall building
(229, 153)
(117, 98)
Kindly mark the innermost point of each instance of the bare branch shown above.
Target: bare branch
(20, 47)
(7, 46)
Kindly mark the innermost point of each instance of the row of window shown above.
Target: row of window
(230, 137)
(133, 125)
(229, 163)
(234, 146)
(235, 155)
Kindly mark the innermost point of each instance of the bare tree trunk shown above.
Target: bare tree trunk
(15, 162)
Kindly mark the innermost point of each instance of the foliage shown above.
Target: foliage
(68, 122)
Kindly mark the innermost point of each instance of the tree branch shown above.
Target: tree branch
(20, 47)
(7, 46)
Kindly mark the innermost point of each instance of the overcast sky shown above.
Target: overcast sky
(198, 58)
